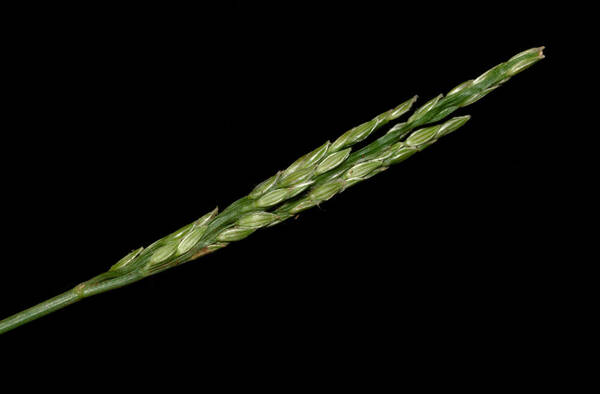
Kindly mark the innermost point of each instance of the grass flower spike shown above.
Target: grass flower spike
(309, 181)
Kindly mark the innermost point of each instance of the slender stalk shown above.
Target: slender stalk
(79, 292)
(310, 180)
(41, 309)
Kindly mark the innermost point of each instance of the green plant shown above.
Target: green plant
(312, 179)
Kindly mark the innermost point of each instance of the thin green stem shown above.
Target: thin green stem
(98, 284)
(41, 309)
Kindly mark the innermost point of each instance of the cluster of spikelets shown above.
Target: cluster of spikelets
(314, 178)
(321, 174)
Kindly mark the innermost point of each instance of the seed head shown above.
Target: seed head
(297, 176)
(326, 191)
(332, 161)
(402, 108)
(308, 159)
(207, 218)
(264, 187)
(257, 219)
(452, 125)
(362, 169)
(422, 136)
(235, 234)
(459, 88)
(424, 109)
(162, 253)
(302, 205)
(272, 198)
(191, 239)
(299, 188)
(402, 153)
(127, 259)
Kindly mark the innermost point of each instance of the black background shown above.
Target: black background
(132, 125)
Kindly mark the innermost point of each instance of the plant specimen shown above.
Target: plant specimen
(311, 180)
